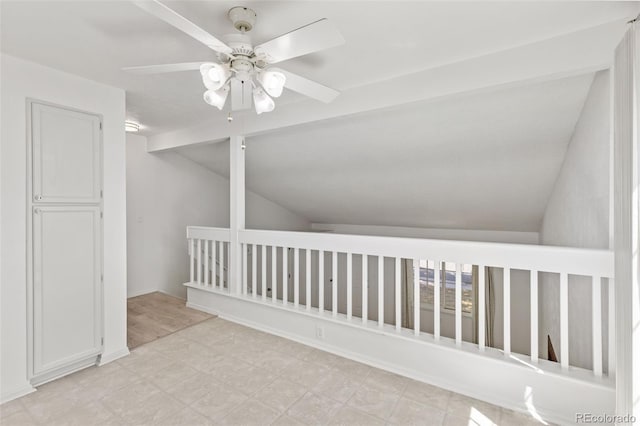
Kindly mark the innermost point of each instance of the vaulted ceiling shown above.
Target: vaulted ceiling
(484, 161)
(452, 114)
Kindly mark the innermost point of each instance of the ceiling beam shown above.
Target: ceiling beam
(578, 52)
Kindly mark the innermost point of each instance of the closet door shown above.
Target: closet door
(66, 155)
(65, 206)
(66, 285)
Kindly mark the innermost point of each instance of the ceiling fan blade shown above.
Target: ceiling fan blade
(159, 69)
(311, 38)
(308, 87)
(178, 21)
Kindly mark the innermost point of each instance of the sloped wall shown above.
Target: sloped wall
(577, 215)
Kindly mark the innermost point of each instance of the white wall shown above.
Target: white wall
(577, 215)
(166, 192)
(21, 80)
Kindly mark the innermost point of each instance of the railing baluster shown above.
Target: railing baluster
(307, 268)
(380, 291)
(223, 264)
(285, 275)
(206, 263)
(437, 266)
(199, 274)
(416, 297)
(564, 320)
(214, 262)
(191, 265)
(274, 282)
(334, 283)
(507, 310)
(458, 302)
(398, 298)
(254, 272)
(321, 281)
(263, 276)
(245, 254)
(349, 286)
(481, 307)
(611, 364)
(596, 307)
(534, 316)
(365, 288)
(296, 277)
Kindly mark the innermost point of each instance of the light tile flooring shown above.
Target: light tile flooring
(219, 372)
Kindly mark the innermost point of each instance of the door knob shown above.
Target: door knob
(38, 197)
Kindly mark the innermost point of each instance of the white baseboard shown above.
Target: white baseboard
(112, 356)
(556, 396)
(17, 393)
(141, 292)
(172, 295)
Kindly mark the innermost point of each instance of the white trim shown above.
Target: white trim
(69, 368)
(17, 393)
(626, 216)
(208, 233)
(514, 256)
(112, 356)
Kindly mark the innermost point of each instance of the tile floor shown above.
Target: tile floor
(218, 372)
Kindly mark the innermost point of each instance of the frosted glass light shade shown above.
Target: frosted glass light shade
(217, 98)
(214, 76)
(262, 102)
(273, 82)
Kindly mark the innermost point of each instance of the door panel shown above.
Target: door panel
(66, 285)
(66, 155)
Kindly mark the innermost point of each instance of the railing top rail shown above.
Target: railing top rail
(208, 233)
(590, 262)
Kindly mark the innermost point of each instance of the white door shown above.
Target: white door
(66, 285)
(66, 230)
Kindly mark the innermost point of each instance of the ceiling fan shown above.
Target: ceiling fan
(243, 70)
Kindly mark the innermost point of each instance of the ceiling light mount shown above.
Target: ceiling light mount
(243, 18)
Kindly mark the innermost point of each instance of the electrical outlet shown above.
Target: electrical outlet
(320, 332)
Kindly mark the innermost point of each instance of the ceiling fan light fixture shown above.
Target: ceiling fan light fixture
(262, 102)
(273, 82)
(217, 98)
(214, 76)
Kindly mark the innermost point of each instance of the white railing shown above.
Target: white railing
(266, 270)
(209, 257)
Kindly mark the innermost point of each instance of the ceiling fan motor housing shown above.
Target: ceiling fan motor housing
(240, 44)
(243, 18)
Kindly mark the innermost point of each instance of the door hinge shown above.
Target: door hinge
(101, 193)
(101, 215)
(102, 341)
(101, 125)
(102, 278)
